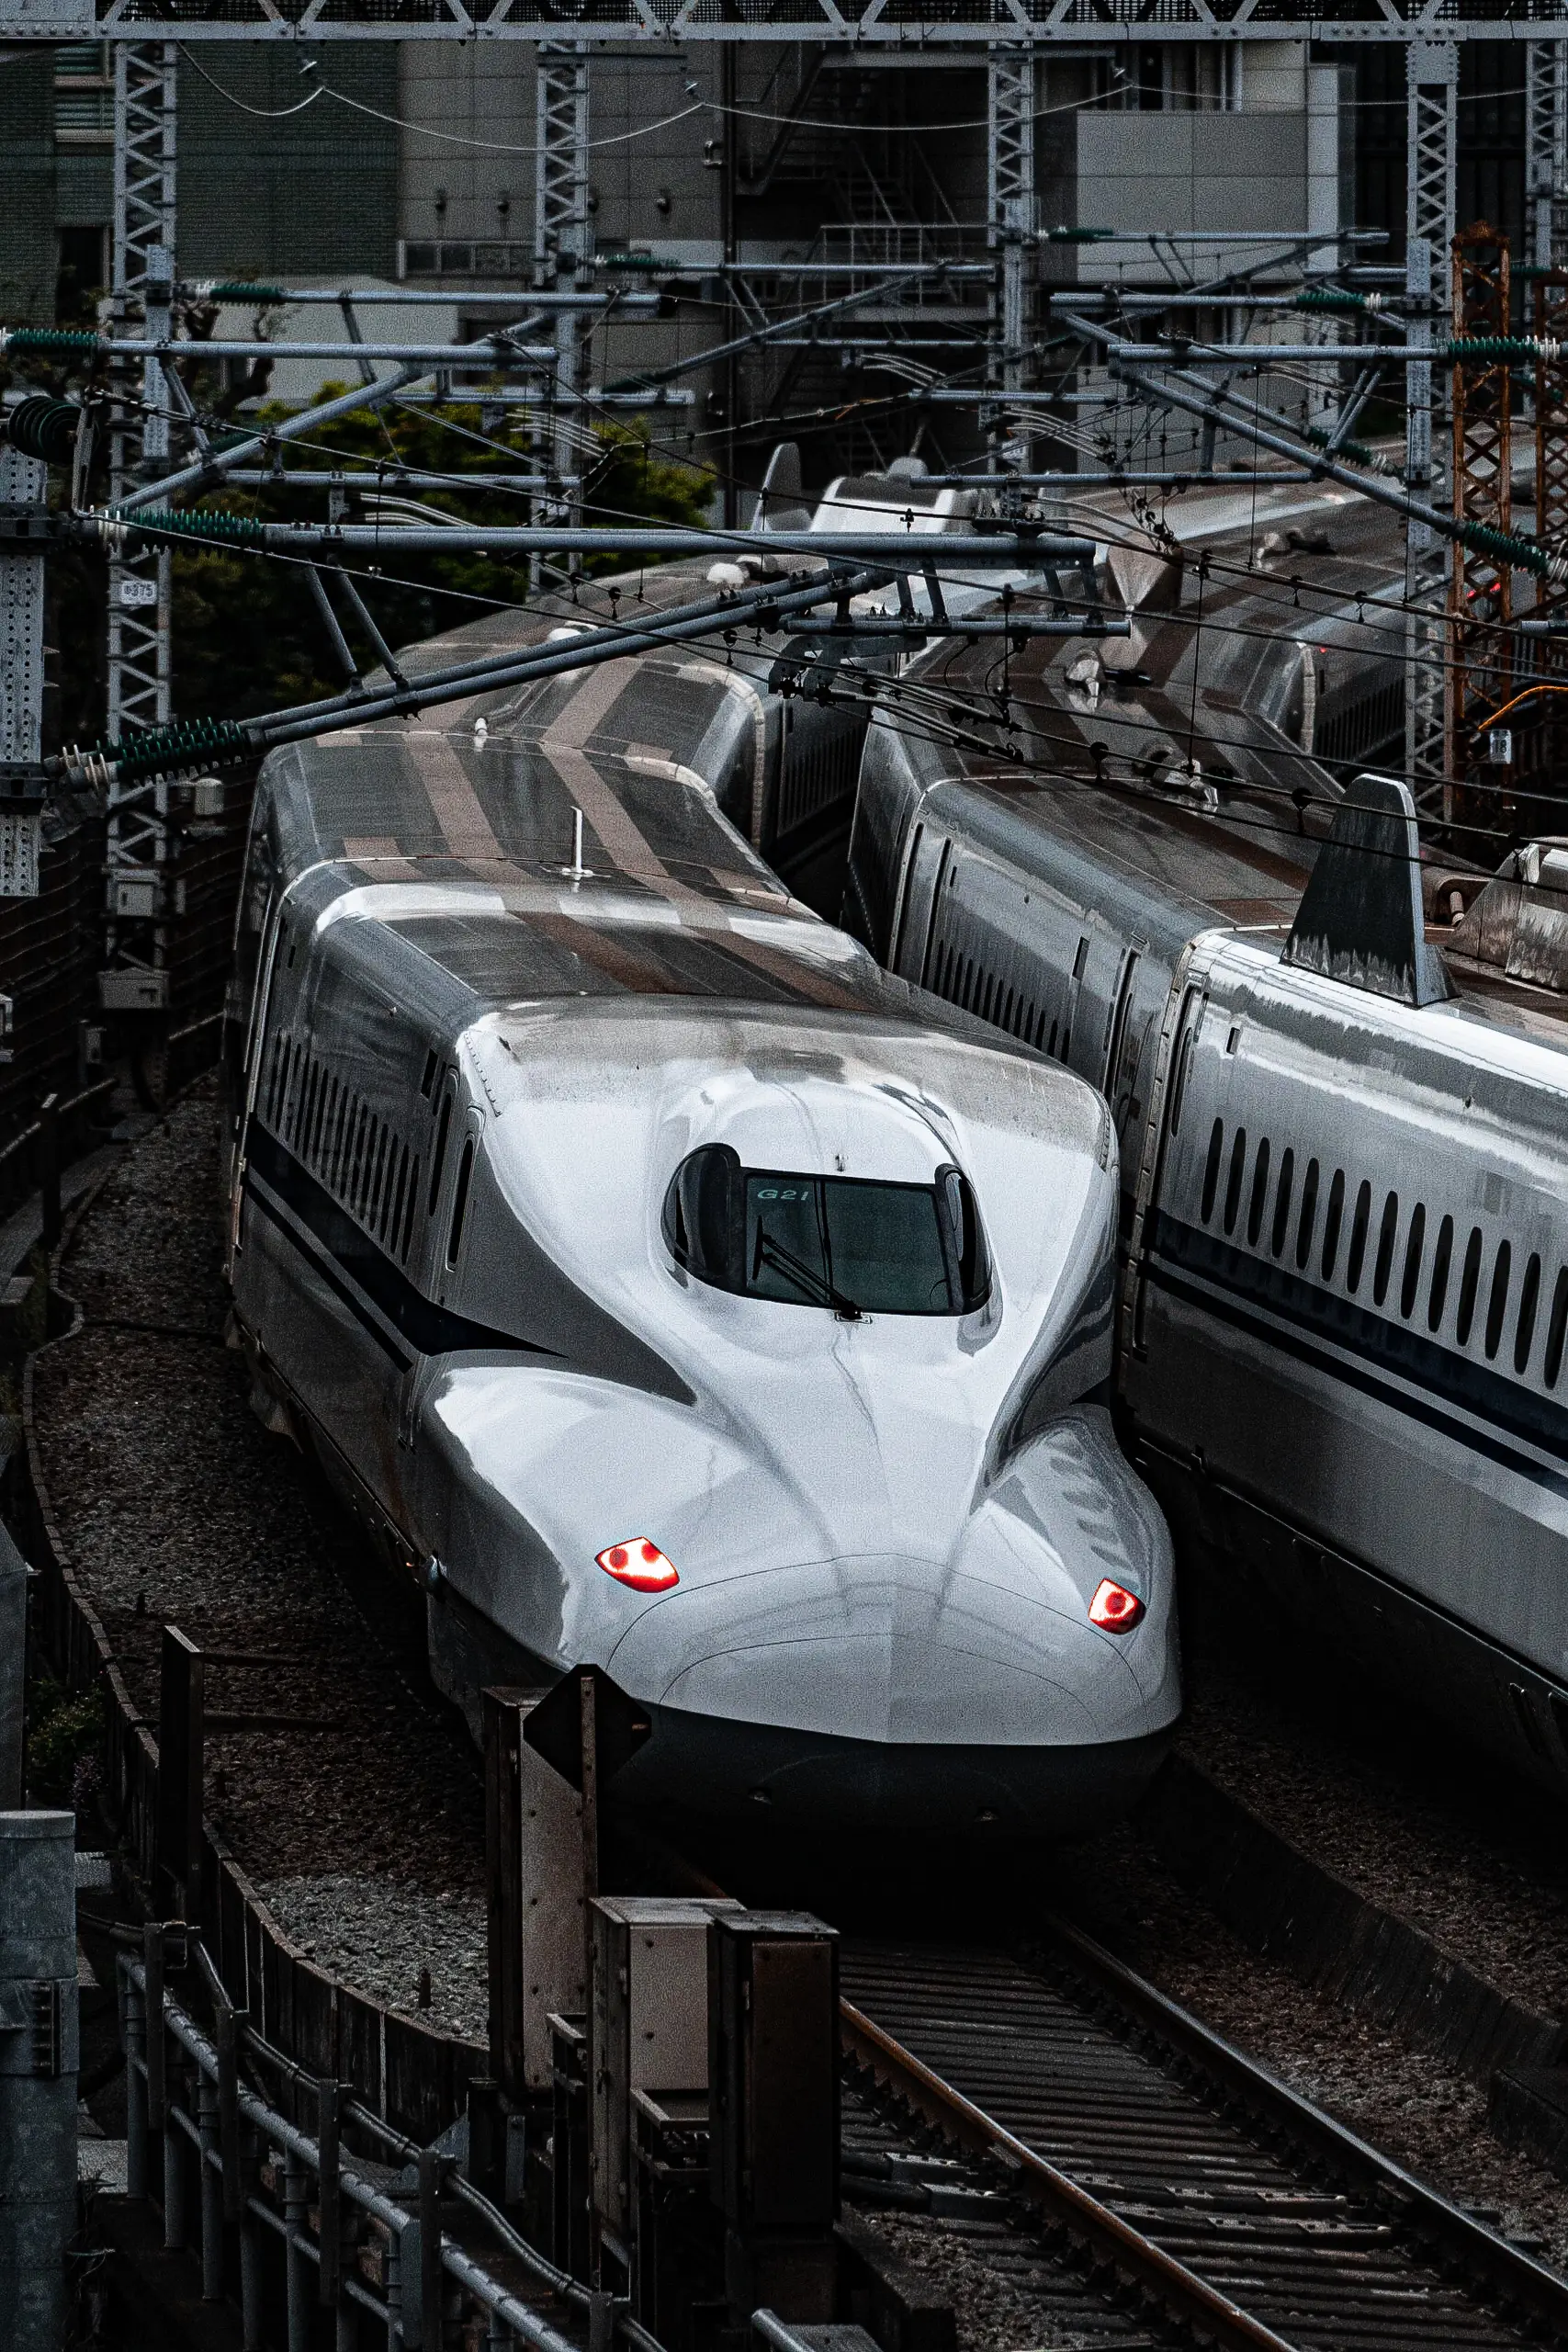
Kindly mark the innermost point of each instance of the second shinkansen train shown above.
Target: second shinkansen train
(1340, 1074)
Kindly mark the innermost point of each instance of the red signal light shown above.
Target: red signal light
(639, 1563)
(1113, 1608)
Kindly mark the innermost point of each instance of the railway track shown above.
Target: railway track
(1173, 2167)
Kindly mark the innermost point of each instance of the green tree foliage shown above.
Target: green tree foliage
(247, 634)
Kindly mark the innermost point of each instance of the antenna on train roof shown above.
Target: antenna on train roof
(1360, 918)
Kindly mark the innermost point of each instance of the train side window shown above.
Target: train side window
(1497, 1305)
(1211, 1169)
(439, 1155)
(1260, 1195)
(460, 1202)
(1413, 1250)
(1557, 1329)
(1468, 1283)
(1440, 1265)
(1282, 1201)
(1233, 1182)
(1309, 1216)
(1331, 1224)
(1529, 1292)
(1384, 1262)
(1359, 1224)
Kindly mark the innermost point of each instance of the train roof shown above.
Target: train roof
(453, 836)
(1175, 784)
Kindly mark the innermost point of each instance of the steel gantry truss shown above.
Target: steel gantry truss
(140, 664)
(562, 231)
(1480, 667)
(1432, 90)
(1011, 220)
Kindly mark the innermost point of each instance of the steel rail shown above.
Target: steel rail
(1179, 2290)
(1512, 2274)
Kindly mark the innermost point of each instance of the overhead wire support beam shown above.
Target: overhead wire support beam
(630, 300)
(769, 607)
(212, 468)
(488, 350)
(1199, 399)
(911, 550)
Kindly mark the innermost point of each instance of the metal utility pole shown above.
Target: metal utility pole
(38, 2072)
(562, 232)
(1011, 224)
(1432, 83)
(141, 666)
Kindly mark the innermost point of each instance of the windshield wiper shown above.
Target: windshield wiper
(783, 1261)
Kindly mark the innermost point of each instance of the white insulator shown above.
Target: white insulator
(1557, 569)
(1375, 302)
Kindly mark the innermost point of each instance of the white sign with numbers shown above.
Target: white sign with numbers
(133, 591)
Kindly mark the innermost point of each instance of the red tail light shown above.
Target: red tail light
(639, 1563)
(1113, 1608)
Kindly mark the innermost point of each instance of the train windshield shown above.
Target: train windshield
(848, 1244)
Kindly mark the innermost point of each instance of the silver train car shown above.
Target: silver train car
(1339, 1077)
(664, 1287)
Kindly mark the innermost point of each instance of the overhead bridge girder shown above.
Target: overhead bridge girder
(900, 24)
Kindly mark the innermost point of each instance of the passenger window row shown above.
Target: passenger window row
(965, 982)
(344, 1143)
(1226, 1187)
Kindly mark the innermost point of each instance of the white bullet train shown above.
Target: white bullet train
(665, 1288)
(1339, 1076)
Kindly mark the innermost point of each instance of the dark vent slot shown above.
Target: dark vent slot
(1331, 1223)
(1440, 1265)
(1412, 1251)
(1469, 1284)
(1309, 1216)
(1211, 1169)
(1260, 1195)
(1497, 1305)
(1529, 1294)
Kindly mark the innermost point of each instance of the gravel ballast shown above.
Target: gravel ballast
(173, 1503)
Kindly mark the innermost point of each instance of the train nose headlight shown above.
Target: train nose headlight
(1113, 1608)
(641, 1564)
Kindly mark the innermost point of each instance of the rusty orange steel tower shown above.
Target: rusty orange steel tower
(1481, 666)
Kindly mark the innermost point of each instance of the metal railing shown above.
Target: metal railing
(357, 2234)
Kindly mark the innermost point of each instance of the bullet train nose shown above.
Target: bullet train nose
(886, 1689)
